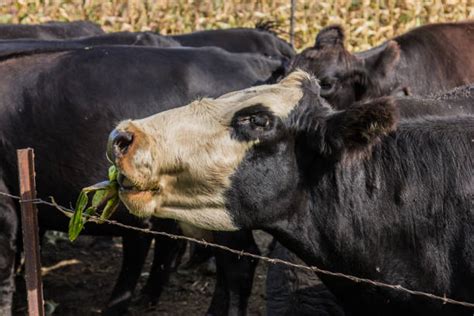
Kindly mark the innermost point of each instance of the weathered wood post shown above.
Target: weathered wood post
(29, 224)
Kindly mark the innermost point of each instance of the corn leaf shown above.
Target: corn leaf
(105, 193)
(76, 222)
(113, 173)
(98, 186)
(99, 197)
(110, 208)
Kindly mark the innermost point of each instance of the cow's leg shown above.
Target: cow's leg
(220, 299)
(198, 255)
(234, 273)
(292, 291)
(166, 252)
(135, 249)
(8, 236)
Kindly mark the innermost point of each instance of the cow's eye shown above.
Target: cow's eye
(326, 85)
(254, 122)
(260, 120)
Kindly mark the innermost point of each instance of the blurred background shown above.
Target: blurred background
(367, 23)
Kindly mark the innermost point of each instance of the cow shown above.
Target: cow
(257, 40)
(9, 48)
(291, 291)
(64, 103)
(426, 60)
(355, 191)
(50, 30)
(21, 47)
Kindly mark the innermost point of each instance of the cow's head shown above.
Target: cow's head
(241, 160)
(344, 77)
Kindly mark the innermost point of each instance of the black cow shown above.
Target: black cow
(240, 40)
(66, 102)
(21, 47)
(354, 191)
(291, 291)
(50, 30)
(426, 60)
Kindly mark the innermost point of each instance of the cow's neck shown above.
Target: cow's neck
(332, 225)
(332, 228)
(372, 217)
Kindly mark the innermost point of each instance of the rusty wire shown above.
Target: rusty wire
(68, 212)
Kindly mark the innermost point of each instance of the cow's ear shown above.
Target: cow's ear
(329, 37)
(356, 129)
(382, 63)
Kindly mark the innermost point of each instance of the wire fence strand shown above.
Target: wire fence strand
(68, 212)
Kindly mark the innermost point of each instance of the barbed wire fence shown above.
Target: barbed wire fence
(68, 212)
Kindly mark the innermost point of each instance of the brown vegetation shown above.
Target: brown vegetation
(367, 23)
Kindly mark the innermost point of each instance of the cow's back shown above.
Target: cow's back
(239, 40)
(436, 57)
(51, 30)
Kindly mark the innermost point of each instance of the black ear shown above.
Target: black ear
(330, 36)
(356, 129)
(382, 63)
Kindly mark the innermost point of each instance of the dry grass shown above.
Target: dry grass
(367, 23)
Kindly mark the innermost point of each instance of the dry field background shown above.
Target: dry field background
(367, 23)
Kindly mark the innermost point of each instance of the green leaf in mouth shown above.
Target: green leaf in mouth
(105, 195)
(76, 223)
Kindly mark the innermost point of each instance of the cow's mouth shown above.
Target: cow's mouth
(126, 185)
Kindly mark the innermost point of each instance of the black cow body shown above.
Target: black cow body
(401, 216)
(431, 255)
(50, 30)
(291, 291)
(67, 101)
(458, 101)
(240, 40)
(427, 60)
(11, 48)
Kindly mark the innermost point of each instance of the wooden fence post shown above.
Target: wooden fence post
(29, 223)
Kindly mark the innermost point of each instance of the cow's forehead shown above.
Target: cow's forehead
(280, 98)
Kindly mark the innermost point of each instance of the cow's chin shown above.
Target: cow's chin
(147, 204)
(139, 203)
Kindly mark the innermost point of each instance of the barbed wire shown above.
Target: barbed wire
(68, 212)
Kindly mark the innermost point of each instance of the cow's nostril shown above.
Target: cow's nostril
(119, 142)
(122, 141)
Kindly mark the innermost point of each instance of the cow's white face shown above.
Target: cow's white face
(180, 162)
(243, 160)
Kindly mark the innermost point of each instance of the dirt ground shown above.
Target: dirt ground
(78, 279)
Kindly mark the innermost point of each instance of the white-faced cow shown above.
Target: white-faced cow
(426, 60)
(354, 191)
